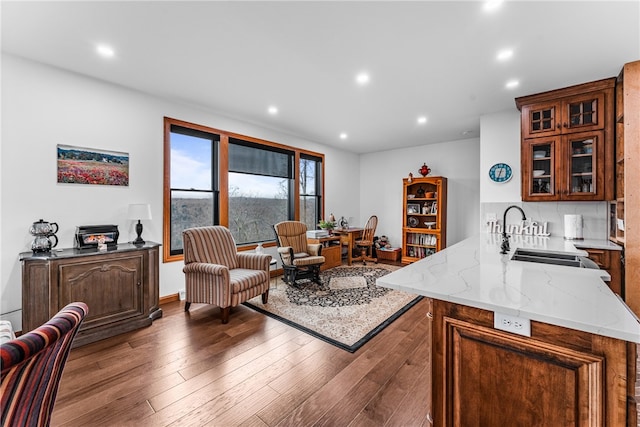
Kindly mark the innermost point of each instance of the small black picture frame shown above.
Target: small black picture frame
(413, 208)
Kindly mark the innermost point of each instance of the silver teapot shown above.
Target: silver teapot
(43, 228)
(44, 243)
(46, 238)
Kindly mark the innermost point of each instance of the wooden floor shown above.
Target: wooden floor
(188, 369)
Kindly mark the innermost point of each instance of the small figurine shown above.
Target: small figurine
(410, 180)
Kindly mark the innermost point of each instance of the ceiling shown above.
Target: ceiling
(424, 58)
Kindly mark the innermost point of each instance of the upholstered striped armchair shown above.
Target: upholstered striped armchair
(32, 366)
(216, 273)
(300, 259)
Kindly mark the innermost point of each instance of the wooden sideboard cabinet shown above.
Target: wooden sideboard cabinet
(120, 286)
(568, 143)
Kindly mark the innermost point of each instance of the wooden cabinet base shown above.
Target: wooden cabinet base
(119, 286)
(557, 377)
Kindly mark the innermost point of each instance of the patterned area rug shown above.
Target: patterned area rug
(346, 310)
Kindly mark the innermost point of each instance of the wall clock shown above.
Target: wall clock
(500, 172)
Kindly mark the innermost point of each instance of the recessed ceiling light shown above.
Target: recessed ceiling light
(105, 51)
(362, 79)
(343, 135)
(491, 5)
(512, 84)
(422, 120)
(504, 54)
(273, 109)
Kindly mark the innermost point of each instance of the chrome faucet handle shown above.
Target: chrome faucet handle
(505, 247)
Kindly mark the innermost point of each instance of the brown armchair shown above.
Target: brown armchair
(365, 243)
(216, 273)
(300, 259)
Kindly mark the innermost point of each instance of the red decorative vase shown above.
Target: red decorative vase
(424, 170)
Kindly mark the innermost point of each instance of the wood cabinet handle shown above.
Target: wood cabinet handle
(565, 125)
(559, 126)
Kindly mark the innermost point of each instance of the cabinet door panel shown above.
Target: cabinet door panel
(583, 113)
(584, 176)
(540, 120)
(540, 171)
(110, 287)
(532, 383)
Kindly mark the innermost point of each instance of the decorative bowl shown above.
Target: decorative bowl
(538, 172)
(429, 224)
(539, 154)
(411, 196)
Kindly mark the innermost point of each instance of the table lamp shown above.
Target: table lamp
(139, 211)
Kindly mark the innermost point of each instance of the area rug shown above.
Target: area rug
(347, 309)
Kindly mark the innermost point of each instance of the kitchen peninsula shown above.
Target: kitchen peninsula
(569, 369)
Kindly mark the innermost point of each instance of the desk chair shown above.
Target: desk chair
(365, 243)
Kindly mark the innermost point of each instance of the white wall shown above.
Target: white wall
(500, 143)
(381, 176)
(44, 106)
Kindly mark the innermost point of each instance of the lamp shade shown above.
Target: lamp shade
(139, 211)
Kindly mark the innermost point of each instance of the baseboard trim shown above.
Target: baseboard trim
(169, 298)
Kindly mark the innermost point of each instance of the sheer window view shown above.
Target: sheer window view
(259, 190)
(193, 198)
(310, 191)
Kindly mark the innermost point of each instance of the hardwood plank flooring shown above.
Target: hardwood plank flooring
(188, 369)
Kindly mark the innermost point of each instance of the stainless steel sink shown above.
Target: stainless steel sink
(553, 258)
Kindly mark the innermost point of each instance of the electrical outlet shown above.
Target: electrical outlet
(513, 324)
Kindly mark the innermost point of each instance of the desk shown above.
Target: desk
(348, 237)
(331, 250)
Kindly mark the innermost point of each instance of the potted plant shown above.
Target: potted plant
(327, 225)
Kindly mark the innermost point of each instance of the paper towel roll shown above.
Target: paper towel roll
(573, 227)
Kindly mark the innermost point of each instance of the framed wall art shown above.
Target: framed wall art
(77, 165)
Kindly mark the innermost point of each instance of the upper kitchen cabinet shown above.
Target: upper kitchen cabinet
(567, 147)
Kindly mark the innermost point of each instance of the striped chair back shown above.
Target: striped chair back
(212, 245)
(32, 366)
(292, 233)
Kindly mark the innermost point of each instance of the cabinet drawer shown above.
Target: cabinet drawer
(600, 257)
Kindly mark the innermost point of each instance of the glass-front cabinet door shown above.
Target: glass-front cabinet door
(583, 113)
(540, 170)
(540, 120)
(584, 179)
(569, 167)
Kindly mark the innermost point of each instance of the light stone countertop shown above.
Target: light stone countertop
(596, 244)
(474, 273)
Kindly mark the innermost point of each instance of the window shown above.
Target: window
(246, 184)
(193, 191)
(310, 190)
(260, 182)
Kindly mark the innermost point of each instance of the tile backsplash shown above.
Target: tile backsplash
(594, 215)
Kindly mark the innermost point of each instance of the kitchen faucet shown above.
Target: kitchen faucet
(505, 238)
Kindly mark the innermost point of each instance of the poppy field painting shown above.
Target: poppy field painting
(88, 166)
